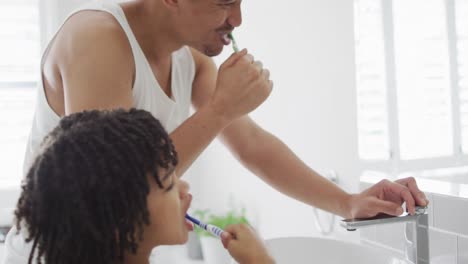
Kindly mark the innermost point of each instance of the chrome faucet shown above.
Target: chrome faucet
(416, 231)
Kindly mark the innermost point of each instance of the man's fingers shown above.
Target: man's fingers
(266, 74)
(234, 58)
(405, 194)
(248, 58)
(259, 66)
(387, 207)
(418, 195)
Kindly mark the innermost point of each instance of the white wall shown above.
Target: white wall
(308, 46)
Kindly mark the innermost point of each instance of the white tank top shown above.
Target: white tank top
(147, 95)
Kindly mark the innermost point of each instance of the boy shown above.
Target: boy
(103, 190)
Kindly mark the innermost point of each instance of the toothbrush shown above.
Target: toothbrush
(234, 44)
(212, 229)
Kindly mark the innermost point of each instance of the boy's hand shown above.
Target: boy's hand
(244, 245)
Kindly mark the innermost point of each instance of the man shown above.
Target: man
(136, 54)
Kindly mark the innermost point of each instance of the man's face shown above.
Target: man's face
(205, 24)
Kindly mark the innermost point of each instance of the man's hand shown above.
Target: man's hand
(244, 245)
(242, 85)
(387, 197)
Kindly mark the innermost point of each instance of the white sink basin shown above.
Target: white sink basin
(308, 250)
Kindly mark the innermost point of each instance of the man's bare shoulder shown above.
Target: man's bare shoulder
(89, 64)
(91, 33)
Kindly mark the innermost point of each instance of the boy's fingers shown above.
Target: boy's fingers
(233, 229)
(225, 239)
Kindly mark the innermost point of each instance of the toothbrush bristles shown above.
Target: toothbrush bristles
(234, 44)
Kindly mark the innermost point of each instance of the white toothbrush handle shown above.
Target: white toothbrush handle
(214, 230)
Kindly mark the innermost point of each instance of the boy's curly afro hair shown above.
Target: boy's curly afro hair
(84, 198)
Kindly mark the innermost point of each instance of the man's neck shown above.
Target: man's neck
(156, 37)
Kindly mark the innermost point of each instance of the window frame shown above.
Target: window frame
(394, 164)
(10, 187)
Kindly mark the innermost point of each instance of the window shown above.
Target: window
(412, 81)
(462, 65)
(19, 64)
(371, 81)
(422, 79)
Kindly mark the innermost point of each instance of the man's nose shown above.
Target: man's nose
(235, 18)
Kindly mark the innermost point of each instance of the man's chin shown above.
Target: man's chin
(210, 51)
(213, 53)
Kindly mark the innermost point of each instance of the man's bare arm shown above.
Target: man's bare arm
(95, 63)
(270, 159)
(237, 89)
(274, 162)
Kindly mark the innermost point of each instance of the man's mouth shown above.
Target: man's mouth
(224, 38)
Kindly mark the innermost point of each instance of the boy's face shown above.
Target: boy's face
(205, 24)
(167, 208)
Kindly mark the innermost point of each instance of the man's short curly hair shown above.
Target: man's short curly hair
(84, 198)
